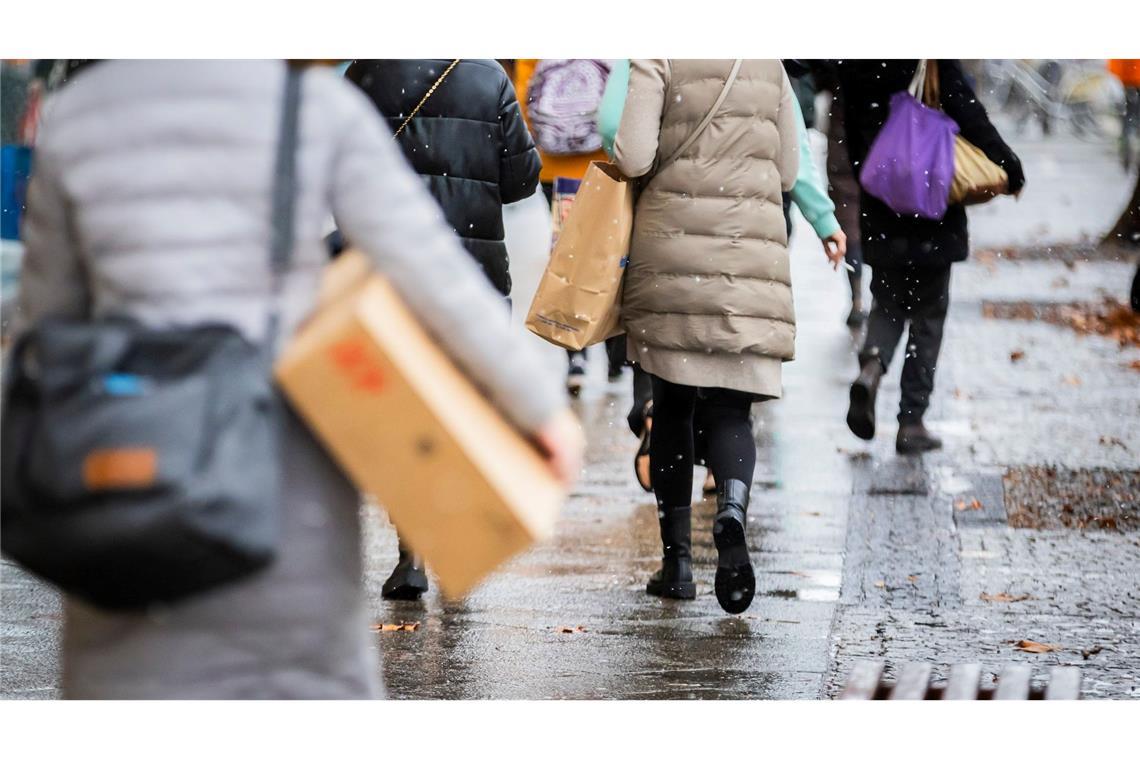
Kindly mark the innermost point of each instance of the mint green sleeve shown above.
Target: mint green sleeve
(809, 193)
(613, 103)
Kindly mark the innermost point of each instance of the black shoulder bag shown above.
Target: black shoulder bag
(142, 464)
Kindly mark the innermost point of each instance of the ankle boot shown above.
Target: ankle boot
(675, 578)
(408, 580)
(861, 412)
(914, 438)
(735, 581)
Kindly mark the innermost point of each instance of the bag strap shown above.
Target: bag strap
(283, 201)
(918, 81)
(924, 84)
(424, 99)
(708, 117)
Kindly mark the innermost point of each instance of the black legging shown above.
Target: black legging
(727, 431)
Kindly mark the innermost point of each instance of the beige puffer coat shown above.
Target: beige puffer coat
(708, 296)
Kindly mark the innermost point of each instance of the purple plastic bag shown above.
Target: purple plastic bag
(911, 163)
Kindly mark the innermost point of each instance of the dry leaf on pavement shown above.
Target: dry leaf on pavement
(880, 584)
(1017, 355)
(1004, 597)
(962, 505)
(1036, 647)
(1071, 380)
(389, 627)
(575, 629)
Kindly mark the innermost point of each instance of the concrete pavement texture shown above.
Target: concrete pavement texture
(860, 553)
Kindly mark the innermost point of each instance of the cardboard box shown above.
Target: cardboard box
(462, 486)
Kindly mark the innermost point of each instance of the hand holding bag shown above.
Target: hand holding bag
(141, 464)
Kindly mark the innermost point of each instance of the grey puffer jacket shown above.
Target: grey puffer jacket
(707, 294)
(151, 197)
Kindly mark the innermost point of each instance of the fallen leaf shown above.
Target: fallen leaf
(1071, 380)
(575, 629)
(962, 505)
(1017, 355)
(880, 584)
(1134, 365)
(389, 627)
(912, 578)
(1036, 647)
(1003, 597)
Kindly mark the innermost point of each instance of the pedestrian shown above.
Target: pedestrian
(560, 99)
(707, 304)
(910, 256)
(807, 194)
(151, 199)
(469, 143)
(842, 185)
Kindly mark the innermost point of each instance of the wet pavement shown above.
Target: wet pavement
(859, 553)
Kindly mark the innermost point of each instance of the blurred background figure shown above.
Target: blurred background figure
(910, 256)
(560, 99)
(167, 222)
(469, 143)
(842, 184)
(1127, 230)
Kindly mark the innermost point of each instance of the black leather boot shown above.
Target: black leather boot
(675, 578)
(861, 412)
(735, 581)
(408, 580)
(914, 438)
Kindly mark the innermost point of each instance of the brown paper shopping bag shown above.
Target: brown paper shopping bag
(463, 487)
(578, 302)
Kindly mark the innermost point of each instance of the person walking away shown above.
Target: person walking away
(843, 186)
(807, 194)
(560, 99)
(116, 180)
(910, 256)
(469, 143)
(707, 303)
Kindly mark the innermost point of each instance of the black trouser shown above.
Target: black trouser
(642, 395)
(921, 297)
(727, 432)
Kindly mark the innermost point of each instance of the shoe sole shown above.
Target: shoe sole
(912, 450)
(735, 581)
(414, 586)
(405, 593)
(860, 414)
(673, 591)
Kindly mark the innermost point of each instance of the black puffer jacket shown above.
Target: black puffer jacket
(890, 239)
(469, 142)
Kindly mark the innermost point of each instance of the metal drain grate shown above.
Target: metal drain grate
(913, 682)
